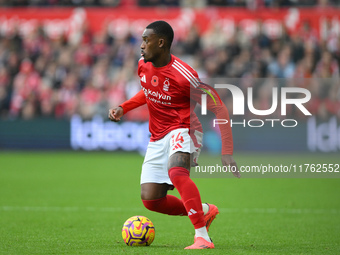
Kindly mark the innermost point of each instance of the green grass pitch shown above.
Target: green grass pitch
(77, 202)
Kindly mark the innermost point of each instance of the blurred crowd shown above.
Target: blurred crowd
(44, 77)
(301, 59)
(183, 3)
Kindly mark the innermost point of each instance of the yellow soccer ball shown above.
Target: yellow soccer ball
(138, 231)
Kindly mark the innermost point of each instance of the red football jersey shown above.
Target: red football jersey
(168, 92)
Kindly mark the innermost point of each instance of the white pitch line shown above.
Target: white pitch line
(279, 211)
(120, 209)
(65, 209)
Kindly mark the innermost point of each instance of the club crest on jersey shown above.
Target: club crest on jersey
(166, 84)
(154, 81)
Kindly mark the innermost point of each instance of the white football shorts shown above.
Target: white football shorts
(155, 165)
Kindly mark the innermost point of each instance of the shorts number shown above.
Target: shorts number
(176, 142)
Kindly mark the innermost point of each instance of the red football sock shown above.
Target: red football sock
(169, 204)
(190, 195)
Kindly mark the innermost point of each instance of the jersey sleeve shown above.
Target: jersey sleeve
(215, 105)
(134, 102)
(138, 99)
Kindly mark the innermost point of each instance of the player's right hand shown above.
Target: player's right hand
(116, 113)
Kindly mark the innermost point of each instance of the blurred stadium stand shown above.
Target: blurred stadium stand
(48, 74)
(192, 3)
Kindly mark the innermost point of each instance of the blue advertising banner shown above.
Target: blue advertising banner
(101, 134)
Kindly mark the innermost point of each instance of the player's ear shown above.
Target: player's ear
(161, 43)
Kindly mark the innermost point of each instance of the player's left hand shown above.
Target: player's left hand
(228, 160)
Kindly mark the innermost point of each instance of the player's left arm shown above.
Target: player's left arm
(215, 105)
(221, 112)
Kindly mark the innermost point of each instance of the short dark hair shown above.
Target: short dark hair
(162, 28)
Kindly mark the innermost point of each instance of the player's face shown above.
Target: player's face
(150, 45)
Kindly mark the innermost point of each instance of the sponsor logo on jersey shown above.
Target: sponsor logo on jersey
(166, 84)
(156, 94)
(154, 81)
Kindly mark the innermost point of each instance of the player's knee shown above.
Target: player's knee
(145, 195)
(152, 191)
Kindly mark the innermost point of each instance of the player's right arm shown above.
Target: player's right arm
(137, 100)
